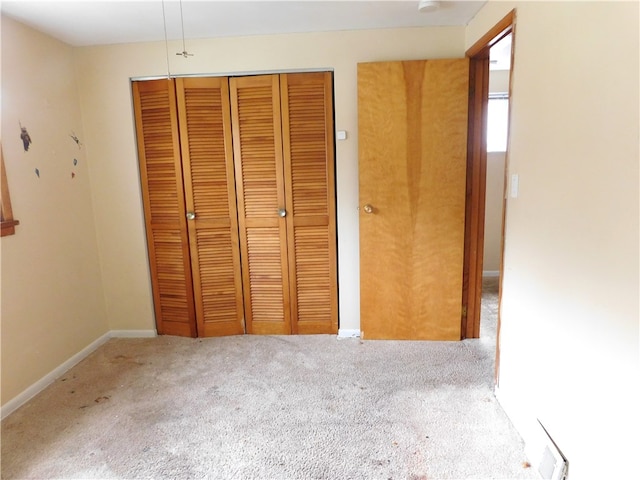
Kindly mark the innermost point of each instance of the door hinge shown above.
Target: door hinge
(464, 310)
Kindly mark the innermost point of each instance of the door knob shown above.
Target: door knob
(191, 216)
(368, 208)
(282, 212)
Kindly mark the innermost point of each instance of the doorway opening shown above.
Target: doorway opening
(497, 135)
(482, 169)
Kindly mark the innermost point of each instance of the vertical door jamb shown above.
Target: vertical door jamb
(475, 192)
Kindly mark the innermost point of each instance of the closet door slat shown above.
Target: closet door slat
(207, 159)
(307, 122)
(257, 141)
(164, 207)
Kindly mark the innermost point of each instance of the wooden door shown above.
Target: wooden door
(164, 207)
(307, 126)
(207, 162)
(412, 122)
(257, 143)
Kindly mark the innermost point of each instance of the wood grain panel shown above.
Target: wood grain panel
(164, 207)
(264, 265)
(174, 302)
(257, 142)
(412, 119)
(307, 125)
(207, 158)
(314, 281)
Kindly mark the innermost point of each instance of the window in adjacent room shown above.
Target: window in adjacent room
(8, 222)
(497, 122)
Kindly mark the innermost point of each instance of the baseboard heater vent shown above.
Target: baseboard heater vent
(553, 465)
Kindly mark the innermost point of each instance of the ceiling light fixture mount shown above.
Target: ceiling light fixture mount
(425, 6)
(184, 52)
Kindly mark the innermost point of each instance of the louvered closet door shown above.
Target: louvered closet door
(165, 214)
(307, 125)
(207, 161)
(257, 143)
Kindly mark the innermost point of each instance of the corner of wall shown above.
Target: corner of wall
(38, 386)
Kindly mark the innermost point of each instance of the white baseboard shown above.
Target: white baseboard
(16, 402)
(524, 421)
(491, 273)
(348, 333)
(539, 448)
(30, 392)
(133, 333)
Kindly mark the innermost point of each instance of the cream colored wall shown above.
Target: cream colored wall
(103, 76)
(493, 211)
(499, 81)
(52, 295)
(569, 337)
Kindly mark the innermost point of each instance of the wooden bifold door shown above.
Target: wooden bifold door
(237, 180)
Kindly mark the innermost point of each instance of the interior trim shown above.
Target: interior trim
(37, 387)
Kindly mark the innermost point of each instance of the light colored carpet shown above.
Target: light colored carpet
(489, 313)
(269, 407)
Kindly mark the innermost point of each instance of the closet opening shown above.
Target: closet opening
(238, 183)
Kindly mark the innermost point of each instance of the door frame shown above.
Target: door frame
(478, 55)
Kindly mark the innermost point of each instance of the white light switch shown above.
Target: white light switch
(341, 134)
(514, 185)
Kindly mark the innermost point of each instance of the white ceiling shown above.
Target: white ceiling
(83, 23)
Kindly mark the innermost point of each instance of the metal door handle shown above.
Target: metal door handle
(368, 208)
(282, 212)
(191, 216)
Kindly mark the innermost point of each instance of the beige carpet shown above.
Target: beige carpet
(258, 407)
